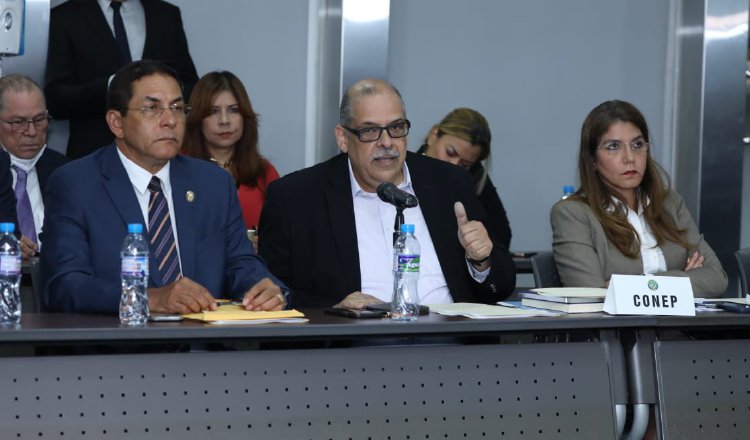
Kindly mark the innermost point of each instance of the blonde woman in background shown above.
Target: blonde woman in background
(463, 138)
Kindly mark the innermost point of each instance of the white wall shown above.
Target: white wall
(534, 68)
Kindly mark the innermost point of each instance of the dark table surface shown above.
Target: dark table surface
(40, 327)
(59, 327)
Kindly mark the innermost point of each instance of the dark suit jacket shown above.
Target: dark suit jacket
(83, 54)
(90, 202)
(47, 163)
(497, 219)
(308, 236)
(7, 196)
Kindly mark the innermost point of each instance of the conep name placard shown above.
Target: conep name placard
(649, 295)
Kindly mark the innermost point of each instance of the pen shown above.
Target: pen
(225, 302)
(506, 304)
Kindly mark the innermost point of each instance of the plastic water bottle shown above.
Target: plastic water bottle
(405, 301)
(10, 275)
(568, 191)
(134, 277)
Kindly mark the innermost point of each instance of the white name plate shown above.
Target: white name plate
(649, 295)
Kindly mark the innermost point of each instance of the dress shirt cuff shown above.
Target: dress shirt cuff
(479, 276)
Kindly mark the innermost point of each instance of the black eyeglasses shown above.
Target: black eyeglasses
(371, 134)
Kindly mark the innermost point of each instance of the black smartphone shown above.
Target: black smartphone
(386, 308)
(354, 313)
(733, 307)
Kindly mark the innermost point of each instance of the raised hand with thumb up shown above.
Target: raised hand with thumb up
(474, 238)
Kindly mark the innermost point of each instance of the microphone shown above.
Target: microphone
(389, 193)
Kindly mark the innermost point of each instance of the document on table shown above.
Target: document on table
(235, 314)
(486, 311)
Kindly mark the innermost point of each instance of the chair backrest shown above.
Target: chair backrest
(743, 268)
(545, 270)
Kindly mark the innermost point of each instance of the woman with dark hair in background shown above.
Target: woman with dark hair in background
(463, 138)
(223, 128)
(625, 218)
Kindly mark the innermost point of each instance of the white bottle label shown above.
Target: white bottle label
(10, 264)
(134, 266)
(407, 263)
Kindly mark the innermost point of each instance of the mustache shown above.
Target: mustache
(385, 153)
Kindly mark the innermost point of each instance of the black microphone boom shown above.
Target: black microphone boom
(389, 193)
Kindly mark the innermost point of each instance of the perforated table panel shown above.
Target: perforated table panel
(704, 389)
(525, 391)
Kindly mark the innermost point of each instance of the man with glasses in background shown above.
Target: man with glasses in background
(198, 249)
(23, 134)
(328, 236)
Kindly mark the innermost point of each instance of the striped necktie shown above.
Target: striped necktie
(161, 238)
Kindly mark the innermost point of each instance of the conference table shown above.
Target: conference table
(570, 376)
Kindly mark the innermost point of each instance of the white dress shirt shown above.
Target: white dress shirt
(32, 187)
(374, 222)
(651, 254)
(134, 19)
(140, 179)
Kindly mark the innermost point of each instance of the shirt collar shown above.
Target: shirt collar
(617, 203)
(105, 4)
(26, 164)
(139, 177)
(358, 191)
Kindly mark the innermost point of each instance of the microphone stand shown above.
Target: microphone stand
(398, 222)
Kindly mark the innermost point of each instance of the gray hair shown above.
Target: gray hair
(365, 87)
(17, 83)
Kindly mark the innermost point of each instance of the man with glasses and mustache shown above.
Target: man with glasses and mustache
(327, 235)
(23, 134)
(193, 222)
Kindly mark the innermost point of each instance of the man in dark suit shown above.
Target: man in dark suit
(326, 234)
(197, 242)
(83, 55)
(23, 134)
(7, 199)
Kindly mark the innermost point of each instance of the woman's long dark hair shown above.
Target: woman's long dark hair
(247, 165)
(598, 195)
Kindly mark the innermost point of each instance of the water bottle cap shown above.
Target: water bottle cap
(407, 229)
(135, 228)
(8, 227)
(569, 189)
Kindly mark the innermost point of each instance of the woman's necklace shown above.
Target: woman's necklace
(224, 165)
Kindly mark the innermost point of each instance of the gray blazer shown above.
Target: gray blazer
(585, 258)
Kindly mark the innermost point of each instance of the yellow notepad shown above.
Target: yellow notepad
(234, 314)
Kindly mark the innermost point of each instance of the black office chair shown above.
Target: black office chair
(545, 270)
(743, 268)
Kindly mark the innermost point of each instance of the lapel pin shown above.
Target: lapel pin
(190, 196)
